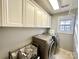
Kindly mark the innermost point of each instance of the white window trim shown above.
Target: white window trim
(59, 24)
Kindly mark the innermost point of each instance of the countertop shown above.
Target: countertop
(44, 37)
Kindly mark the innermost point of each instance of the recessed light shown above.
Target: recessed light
(54, 4)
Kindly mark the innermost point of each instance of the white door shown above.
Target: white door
(48, 20)
(76, 38)
(45, 19)
(12, 12)
(28, 20)
(38, 17)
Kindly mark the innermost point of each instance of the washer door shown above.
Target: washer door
(50, 49)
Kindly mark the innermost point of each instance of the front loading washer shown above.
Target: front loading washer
(46, 45)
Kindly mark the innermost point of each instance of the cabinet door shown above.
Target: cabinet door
(28, 20)
(44, 19)
(12, 12)
(0, 12)
(49, 21)
(38, 17)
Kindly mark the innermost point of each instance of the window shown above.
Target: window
(65, 24)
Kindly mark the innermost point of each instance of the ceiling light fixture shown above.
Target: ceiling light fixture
(54, 4)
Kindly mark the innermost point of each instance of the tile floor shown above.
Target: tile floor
(63, 54)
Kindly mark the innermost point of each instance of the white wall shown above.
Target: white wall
(65, 40)
(0, 11)
(12, 38)
(75, 52)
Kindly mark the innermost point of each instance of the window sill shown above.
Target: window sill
(65, 32)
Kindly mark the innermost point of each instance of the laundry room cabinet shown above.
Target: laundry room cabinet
(28, 14)
(11, 13)
(38, 17)
(42, 19)
(45, 19)
(23, 13)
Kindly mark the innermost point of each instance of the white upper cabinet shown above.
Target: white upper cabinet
(38, 17)
(44, 19)
(28, 14)
(12, 13)
(0, 12)
(48, 20)
(41, 18)
(23, 13)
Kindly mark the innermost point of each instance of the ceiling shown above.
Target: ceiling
(65, 5)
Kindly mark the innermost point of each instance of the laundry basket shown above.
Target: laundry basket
(26, 52)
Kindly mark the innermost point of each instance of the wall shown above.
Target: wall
(12, 38)
(0, 11)
(75, 52)
(65, 40)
